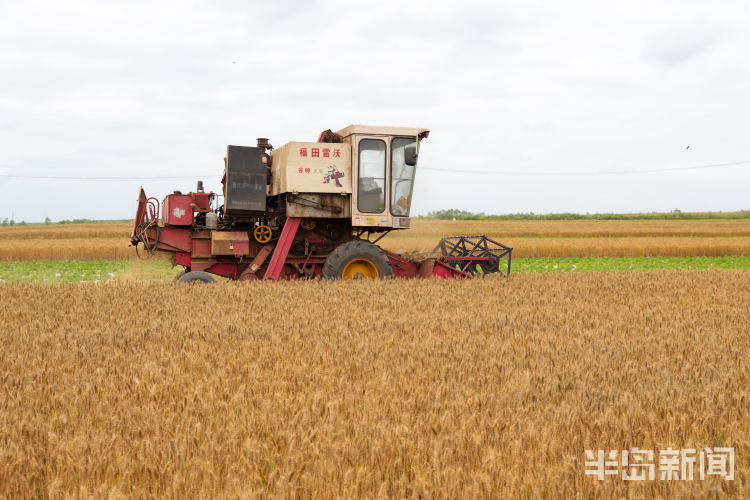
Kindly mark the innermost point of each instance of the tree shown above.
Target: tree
(47, 221)
(5, 221)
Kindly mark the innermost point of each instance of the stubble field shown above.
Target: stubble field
(488, 388)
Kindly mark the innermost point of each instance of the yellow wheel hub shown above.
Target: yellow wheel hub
(262, 234)
(360, 269)
(308, 224)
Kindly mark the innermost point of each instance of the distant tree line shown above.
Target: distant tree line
(455, 214)
(11, 222)
(47, 221)
(78, 221)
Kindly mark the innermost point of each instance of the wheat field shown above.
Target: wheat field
(67, 249)
(674, 246)
(588, 238)
(119, 249)
(488, 388)
(67, 231)
(438, 228)
(580, 228)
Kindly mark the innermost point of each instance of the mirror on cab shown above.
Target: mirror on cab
(410, 155)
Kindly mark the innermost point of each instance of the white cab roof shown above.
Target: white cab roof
(383, 130)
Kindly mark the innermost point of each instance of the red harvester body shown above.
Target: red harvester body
(279, 222)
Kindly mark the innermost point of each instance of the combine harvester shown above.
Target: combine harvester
(308, 210)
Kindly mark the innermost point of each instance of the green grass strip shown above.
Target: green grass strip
(157, 270)
(57, 271)
(567, 264)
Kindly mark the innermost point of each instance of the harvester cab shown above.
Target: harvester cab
(361, 173)
(305, 210)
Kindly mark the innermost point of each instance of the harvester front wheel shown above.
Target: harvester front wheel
(196, 276)
(491, 266)
(180, 275)
(357, 260)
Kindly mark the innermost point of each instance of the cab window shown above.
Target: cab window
(371, 186)
(402, 177)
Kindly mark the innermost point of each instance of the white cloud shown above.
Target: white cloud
(145, 88)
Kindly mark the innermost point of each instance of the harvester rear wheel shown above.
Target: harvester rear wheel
(196, 276)
(357, 260)
(180, 275)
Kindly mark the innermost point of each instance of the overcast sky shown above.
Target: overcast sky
(149, 89)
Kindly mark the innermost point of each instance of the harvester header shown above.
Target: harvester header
(307, 210)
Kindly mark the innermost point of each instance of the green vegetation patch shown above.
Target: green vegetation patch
(545, 265)
(155, 270)
(56, 271)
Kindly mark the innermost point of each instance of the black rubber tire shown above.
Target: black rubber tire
(484, 268)
(491, 266)
(180, 275)
(358, 249)
(196, 276)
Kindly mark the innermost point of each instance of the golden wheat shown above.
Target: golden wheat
(67, 249)
(579, 228)
(528, 238)
(438, 228)
(63, 231)
(488, 388)
(598, 247)
(118, 248)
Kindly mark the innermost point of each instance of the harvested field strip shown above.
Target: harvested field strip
(150, 270)
(599, 247)
(118, 249)
(67, 249)
(63, 231)
(592, 228)
(133, 389)
(438, 228)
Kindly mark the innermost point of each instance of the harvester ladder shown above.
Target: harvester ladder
(282, 249)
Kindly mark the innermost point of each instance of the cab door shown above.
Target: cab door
(371, 161)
